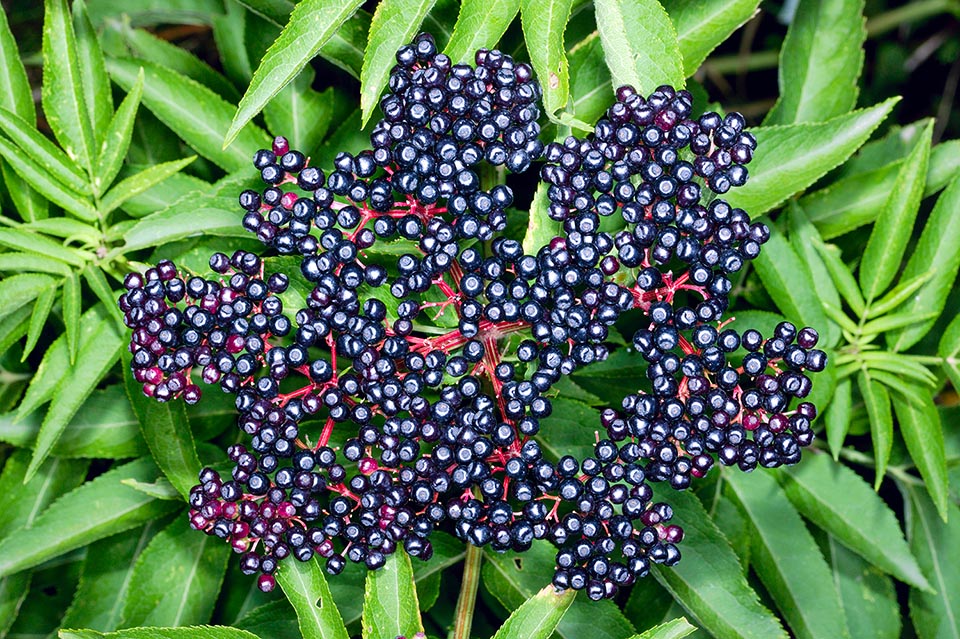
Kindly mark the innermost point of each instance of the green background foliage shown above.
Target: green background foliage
(126, 131)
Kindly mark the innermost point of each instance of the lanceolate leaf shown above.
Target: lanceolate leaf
(174, 99)
(70, 522)
(480, 25)
(703, 24)
(194, 632)
(137, 184)
(639, 43)
(837, 500)
(44, 152)
(938, 250)
(390, 606)
(787, 559)
(540, 228)
(950, 351)
(718, 597)
(38, 318)
(837, 417)
(538, 617)
(923, 433)
(675, 629)
(167, 432)
(37, 177)
(13, 591)
(877, 401)
(590, 87)
(71, 314)
(814, 150)
(15, 93)
(161, 596)
(33, 243)
(937, 547)
(867, 595)
(302, 114)
(93, 77)
(21, 503)
(544, 22)
(820, 62)
(394, 24)
(116, 140)
(888, 240)
(306, 588)
(20, 290)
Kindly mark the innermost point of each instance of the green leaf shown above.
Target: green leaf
(311, 24)
(276, 11)
(306, 588)
(71, 314)
(877, 401)
(105, 580)
(143, 44)
(136, 184)
(12, 328)
(923, 434)
(172, 98)
(71, 523)
(591, 91)
(898, 295)
(703, 25)
(538, 617)
(892, 322)
(820, 62)
(13, 592)
(97, 282)
(842, 277)
(949, 350)
(19, 290)
(540, 228)
(37, 177)
(193, 632)
(21, 502)
(837, 417)
(675, 629)
(63, 93)
(15, 92)
(837, 500)
(788, 281)
(394, 24)
(786, 558)
(176, 189)
(98, 352)
(804, 238)
(38, 318)
(937, 547)
(515, 577)
(390, 606)
(480, 25)
(569, 429)
(345, 47)
(888, 240)
(28, 262)
(814, 150)
(867, 595)
(32, 243)
(544, 22)
(300, 113)
(116, 139)
(160, 489)
(229, 34)
(640, 44)
(938, 250)
(709, 583)
(29, 204)
(93, 77)
(177, 578)
(44, 152)
(167, 432)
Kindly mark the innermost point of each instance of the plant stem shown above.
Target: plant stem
(463, 618)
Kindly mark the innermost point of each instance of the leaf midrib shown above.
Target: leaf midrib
(941, 582)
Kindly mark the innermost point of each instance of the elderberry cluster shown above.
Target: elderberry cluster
(406, 393)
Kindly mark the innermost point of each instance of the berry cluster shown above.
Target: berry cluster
(408, 392)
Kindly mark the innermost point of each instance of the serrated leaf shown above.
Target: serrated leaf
(311, 24)
(949, 350)
(97, 282)
(160, 489)
(12, 328)
(19, 290)
(116, 139)
(62, 92)
(718, 597)
(172, 98)
(938, 250)
(639, 44)
(300, 113)
(21, 503)
(842, 277)
(702, 25)
(888, 240)
(480, 25)
(93, 77)
(177, 578)
(136, 184)
(898, 295)
(514, 577)
(29, 204)
(877, 401)
(804, 238)
(44, 152)
(306, 588)
(937, 547)
(837, 500)
(98, 352)
(276, 11)
(923, 434)
(71, 314)
(390, 606)
(837, 417)
(675, 629)
(897, 364)
(867, 595)
(544, 22)
(892, 322)
(815, 149)
(394, 24)
(32, 243)
(15, 92)
(36, 176)
(167, 432)
(20, 262)
(105, 579)
(71, 523)
(193, 632)
(538, 617)
(229, 34)
(786, 558)
(38, 318)
(820, 62)
(591, 91)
